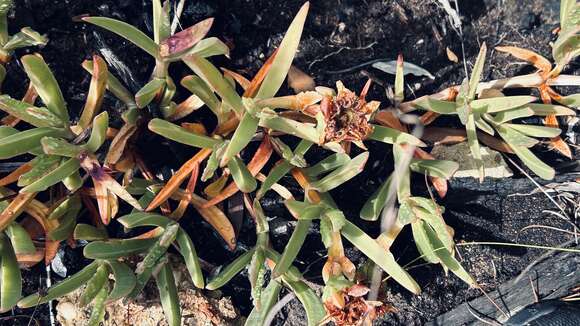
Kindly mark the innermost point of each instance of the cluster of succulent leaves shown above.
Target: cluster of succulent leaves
(70, 152)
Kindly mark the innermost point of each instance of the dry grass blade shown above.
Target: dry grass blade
(535, 59)
(14, 175)
(173, 184)
(258, 161)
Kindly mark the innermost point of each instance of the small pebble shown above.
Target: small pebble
(67, 310)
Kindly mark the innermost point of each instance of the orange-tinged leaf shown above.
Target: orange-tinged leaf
(451, 55)
(440, 184)
(532, 57)
(190, 189)
(29, 97)
(259, 77)
(118, 144)
(256, 164)
(428, 117)
(175, 181)
(50, 250)
(15, 208)
(102, 197)
(111, 133)
(300, 81)
(551, 121)
(214, 188)
(228, 126)
(217, 219)
(195, 127)
(96, 92)
(29, 260)
(241, 80)
(186, 107)
(559, 145)
(389, 119)
(14, 175)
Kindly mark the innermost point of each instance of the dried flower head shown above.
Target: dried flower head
(355, 310)
(347, 115)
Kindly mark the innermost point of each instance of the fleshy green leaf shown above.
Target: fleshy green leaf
(45, 84)
(514, 137)
(64, 170)
(113, 249)
(437, 168)
(283, 60)
(198, 87)
(328, 164)
(11, 285)
(62, 288)
(161, 24)
(342, 174)
(20, 239)
(99, 132)
(212, 76)
(181, 135)
(26, 141)
(437, 106)
(94, 285)
(376, 202)
(540, 168)
(535, 131)
(476, 72)
(36, 116)
(512, 114)
(446, 257)
(168, 295)
(311, 302)
(292, 247)
(241, 137)
(380, 256)
(59, 147)
(241, 175)
(124, 280)
(128, 32)
(498, 104)
(148, 92)
(226, 274)
(89, 233)
(393, 136)
(270, 119)
(474, 144)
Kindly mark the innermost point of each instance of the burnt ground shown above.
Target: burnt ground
(338, 35)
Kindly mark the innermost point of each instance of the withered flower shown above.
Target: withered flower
(347, 116)
(353, 309)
